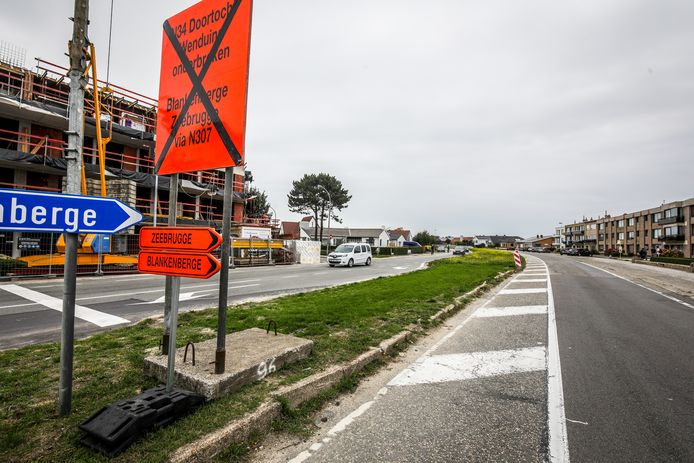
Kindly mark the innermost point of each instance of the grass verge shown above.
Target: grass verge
(343, 322)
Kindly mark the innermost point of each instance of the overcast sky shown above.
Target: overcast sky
(460, 117)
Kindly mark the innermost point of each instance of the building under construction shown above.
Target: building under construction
(33, 121)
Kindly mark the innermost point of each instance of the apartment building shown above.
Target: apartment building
(33, 121)
(667, 227)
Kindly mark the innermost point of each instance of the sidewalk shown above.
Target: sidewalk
(661, 279)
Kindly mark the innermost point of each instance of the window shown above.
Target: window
(645, 218)
(637, 233)
(630, 235)
(673, 231)
(620, 236)
(657, 233)
(601, 226)
(657, 216)
(645, 233)
(620, 223)
(672, 213)
(357, 249)
(630, 222)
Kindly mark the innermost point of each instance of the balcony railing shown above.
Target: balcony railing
(669, 220)
(672, 238)
(54, 148)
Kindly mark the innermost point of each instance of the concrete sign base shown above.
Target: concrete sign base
(251, 355)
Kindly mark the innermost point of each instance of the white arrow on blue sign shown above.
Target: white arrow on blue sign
(22, 210)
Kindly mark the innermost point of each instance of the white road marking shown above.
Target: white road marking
(149, 291)
(529, 280)
(576, 421)
(84, 313)
(17, 305)
(181, 298)
(679, 301)
(511, 311)
(523, 291)
(556, 416)
(301, 457)
(471, 365)
(347, 420)
(133, 277)
(291, 276)
(399, 268)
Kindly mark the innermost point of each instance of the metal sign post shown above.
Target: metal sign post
(220, 352)
(168, 294)
(175, 291)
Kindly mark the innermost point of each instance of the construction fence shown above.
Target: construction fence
(43, 254)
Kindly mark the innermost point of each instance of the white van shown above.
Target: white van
(350, 254)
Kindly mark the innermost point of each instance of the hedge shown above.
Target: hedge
(401, 251)
(673, 260)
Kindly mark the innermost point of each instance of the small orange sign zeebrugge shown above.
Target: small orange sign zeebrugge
(198, 239)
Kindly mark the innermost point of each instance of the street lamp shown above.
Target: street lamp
(330, 212)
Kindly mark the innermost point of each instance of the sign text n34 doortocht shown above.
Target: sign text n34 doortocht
(201, 118)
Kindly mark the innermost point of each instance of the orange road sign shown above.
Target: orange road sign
(200, 239)
(177, 264)
(201, 118)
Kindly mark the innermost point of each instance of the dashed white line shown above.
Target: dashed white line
(523, 291)
(347, 420)
(474, 365)
(485, 312)
(556, 416)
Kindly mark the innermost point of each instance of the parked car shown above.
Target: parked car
(411, 244)
(350, 254)
(570, 252)
(459, 251)
(584, 252)
(441, 248)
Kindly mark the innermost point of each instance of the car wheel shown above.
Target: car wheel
(368, 261)
(350, 263)
(332, 265)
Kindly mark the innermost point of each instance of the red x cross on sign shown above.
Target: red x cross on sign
(201, 118)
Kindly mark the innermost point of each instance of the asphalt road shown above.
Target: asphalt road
(30, 309)
(565, 362)
(627, 358)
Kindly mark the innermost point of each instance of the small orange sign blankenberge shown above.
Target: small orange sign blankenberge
(191, 265)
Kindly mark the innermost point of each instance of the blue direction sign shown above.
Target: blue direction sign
(22, 210)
